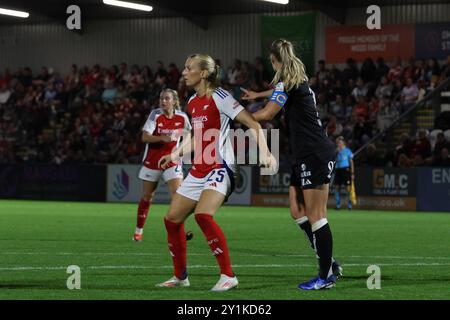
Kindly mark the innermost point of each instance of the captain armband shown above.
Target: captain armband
(279, 97)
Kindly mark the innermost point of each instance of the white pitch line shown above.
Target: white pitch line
(208, 254)
(30, 268)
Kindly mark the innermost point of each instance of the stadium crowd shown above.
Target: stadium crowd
(95, 114)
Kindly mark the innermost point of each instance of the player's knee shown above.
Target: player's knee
(147, 196)
(174, 217)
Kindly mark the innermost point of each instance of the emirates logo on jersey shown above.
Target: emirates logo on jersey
(166, 131)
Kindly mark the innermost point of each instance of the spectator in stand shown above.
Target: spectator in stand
(384, 88)
(406, 146)
(322, 107)
(361, 109)
(360, 90)
(234, 72)
(418, 161)
(396, 70)
(161, 76)
(147, 76)
(5, 94)
(323, 72)
(374, 108)
(441, 143)
(419, 72)
(123, 74)
(409, 95)
(42, 78)
(362, 132)
(345, 112)
(404, 161)
(261, 75)
(336, 105)
(72, 80)
(387, 114)
(409, 71)
(422, 90)
(422, 144)
(370, 157)
(335, 73)
(432, 72)
(446, 69)
(50, 92)
(444, 159)
(382, 69)
(334, 128)
(174, 76)
(368, 70)
(351, 71)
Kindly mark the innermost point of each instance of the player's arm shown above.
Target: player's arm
(352, 169)
(276, 102)
(246, 118)
(267, 113)
(186, 147)
(252, 95)
(150, 138)
(149, 128)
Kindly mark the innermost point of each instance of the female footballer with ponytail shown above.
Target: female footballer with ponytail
(313, 156)
(211, 178)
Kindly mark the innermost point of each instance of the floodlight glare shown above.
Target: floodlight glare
(129, 5)
(14, 13)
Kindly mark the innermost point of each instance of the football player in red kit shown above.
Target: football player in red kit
(211, 178)
(162, 133)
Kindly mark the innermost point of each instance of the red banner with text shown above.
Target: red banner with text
(359, 43)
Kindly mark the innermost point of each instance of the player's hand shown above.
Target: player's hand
(164, 162)
(165, 138)
(269, 162)
(248, 94)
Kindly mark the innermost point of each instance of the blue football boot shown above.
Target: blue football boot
(317, 283)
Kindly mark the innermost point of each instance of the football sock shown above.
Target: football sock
(323, 241)
(217, 242)
(176, 239)
(142, 213)
(304, 224)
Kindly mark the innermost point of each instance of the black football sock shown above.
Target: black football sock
(323, 241)
(304, 224)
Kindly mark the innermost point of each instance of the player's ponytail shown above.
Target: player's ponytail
(207, 63)
(292, 71)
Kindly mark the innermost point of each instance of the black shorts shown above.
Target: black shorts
(312, 171)
(342, 177)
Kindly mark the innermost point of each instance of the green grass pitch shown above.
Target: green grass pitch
(39, 240)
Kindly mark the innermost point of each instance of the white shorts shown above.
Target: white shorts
(175, 172)
(220, 180)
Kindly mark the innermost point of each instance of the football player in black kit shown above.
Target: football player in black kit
(313, 156)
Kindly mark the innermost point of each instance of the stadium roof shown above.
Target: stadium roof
(194, 10)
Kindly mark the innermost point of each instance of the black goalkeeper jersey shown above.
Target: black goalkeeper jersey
(307, 135)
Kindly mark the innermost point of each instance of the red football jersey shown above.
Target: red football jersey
(211, 117)
(159, 124)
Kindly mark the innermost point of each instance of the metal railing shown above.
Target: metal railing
(407, 115)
